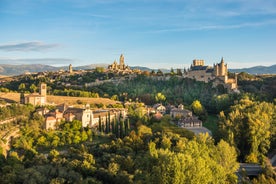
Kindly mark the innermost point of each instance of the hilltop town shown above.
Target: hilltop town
(128, 113)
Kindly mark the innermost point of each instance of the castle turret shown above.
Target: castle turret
(198, 62)
(223, 68)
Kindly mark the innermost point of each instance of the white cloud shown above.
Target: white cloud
(27, 46)
(48, 61)
(214, 27)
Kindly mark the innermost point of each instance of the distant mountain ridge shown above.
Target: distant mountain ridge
(257, 70)
(11, 70)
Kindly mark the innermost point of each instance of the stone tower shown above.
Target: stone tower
(220, 69)
(122, 60)
(43, 89)
(70, 69)
(198, 62)
(223, 68)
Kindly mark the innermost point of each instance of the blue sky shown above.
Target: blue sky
(153, 33)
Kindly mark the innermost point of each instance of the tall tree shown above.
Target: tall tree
(159, 97)
(199, 110)
(249, 126)
(100, 124)
(33, 88)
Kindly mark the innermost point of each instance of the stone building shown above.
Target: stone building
(70, 68)
(119, 67)
(50, 123)
(185, 117)
(85, 115)
(88, 117)
(180, 112)
(37, 99)
(159, 108)
(218, 74)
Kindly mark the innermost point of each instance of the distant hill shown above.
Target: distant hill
(92, 66)
(142, 68)
(257, 70)
(7, 69)
(11, 70)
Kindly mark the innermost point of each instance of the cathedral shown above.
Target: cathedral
(218, 74)
(119, 67)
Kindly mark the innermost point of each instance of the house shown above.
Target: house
(84, 115)
(190, 121)
(42, 111)
(56, 114)
(159, 108)
(158, 116)
(50, 123)
(180, 112)
(185, 117)
(69, 116)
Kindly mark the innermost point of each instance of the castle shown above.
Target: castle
(218, 74)
(119, 67)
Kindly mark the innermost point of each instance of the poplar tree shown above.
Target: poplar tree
(100, 124)
(106, 125)
(122, 128)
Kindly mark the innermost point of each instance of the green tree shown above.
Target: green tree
(114, 97)
(22, 87)
(159, 97)
(249, 127)
(199, 110)
(33, 88)
(122, 128)
(100, 124)
(84, 135)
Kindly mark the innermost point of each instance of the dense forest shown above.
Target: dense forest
(145, 155)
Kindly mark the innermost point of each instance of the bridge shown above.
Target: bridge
(246, 169)
(250, 169)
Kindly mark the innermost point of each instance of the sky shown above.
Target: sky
(151, 33)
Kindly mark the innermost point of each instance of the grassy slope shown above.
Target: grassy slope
(15, 97)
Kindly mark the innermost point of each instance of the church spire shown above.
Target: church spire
(222, 60)
(122, 60)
